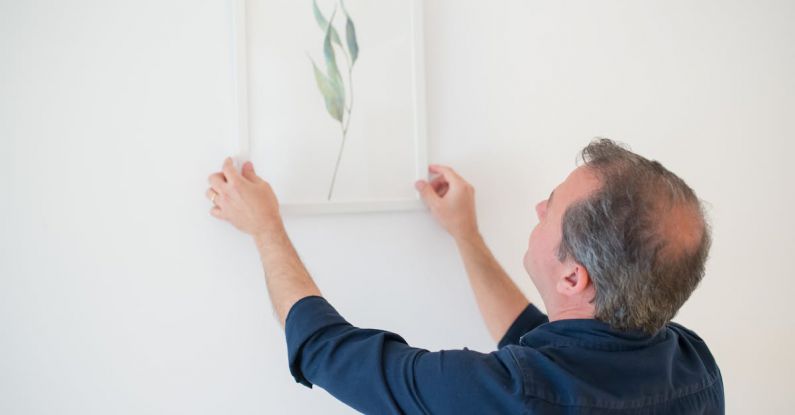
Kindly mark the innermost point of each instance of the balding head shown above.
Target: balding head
(642, 235)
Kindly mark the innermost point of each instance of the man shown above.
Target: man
(619, 246)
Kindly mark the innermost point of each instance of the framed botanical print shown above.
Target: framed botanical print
(331, 101)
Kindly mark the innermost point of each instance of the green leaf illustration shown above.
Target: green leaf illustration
(331, 84)
(332, 71)
(323, 23)
(350, 35)
(334, 102)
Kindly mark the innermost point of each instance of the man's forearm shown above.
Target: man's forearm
(285, 275)
(499, 299)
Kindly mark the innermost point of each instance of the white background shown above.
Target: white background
(120, 294)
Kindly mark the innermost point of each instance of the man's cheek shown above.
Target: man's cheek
(530, 247)
(528, 256)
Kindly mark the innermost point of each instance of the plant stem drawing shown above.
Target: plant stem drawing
(331, 83)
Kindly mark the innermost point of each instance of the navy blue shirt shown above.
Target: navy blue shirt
(578, 366)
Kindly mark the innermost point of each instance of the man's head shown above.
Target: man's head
(622, 240)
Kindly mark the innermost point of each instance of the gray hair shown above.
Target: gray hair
(643, 236)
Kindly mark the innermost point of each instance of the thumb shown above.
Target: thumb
(426, 190)
(248, 171)
(229, 170)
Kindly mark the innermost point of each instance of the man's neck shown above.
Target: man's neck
(570, 311)
(569, 314)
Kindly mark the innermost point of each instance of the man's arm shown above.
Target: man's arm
(499, 299)
(248, 203)
(452, 202)
(285, 275)
(377, 372)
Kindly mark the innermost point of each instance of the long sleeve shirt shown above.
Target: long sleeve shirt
(577, 366)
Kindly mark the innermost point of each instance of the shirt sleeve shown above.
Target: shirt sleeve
(376, 371)
(530, 318)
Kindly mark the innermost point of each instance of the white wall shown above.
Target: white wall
(120, 294)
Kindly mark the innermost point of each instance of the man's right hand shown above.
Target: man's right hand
(451, 201)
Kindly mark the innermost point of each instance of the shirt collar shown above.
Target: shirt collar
(588, 333)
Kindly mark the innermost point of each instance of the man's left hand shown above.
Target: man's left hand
(244, 199)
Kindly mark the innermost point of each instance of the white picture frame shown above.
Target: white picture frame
(243, 96)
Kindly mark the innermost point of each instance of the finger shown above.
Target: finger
(216, 211)
(429, 195)
(441, 188)
(230, 172)
(439, 182)
(248, 171)
(210, 193)
(438, 179)
(214, 196)
(217, 182)
(446, 171)
(440, 185)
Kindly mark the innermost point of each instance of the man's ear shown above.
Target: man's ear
(575, 281)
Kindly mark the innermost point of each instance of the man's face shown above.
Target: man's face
(541, 260)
